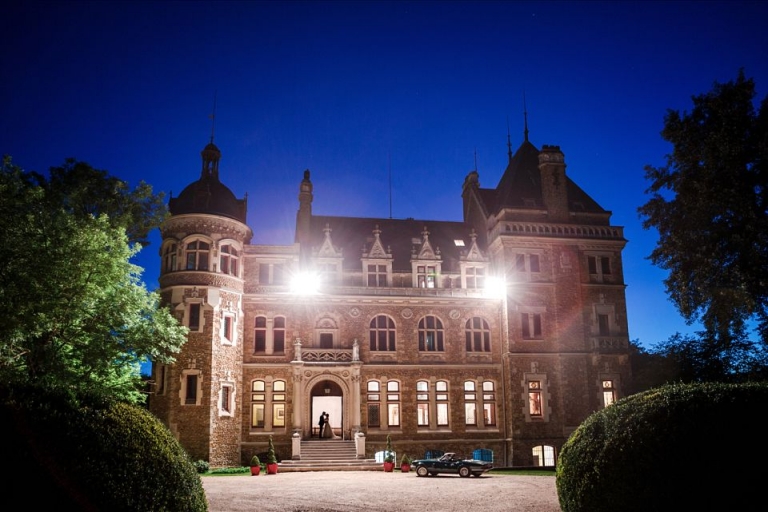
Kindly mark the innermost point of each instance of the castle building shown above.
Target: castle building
(392, 325)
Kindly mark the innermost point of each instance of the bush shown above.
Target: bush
(90, 453)
(255, 461)
(677, 447)
(202, 466)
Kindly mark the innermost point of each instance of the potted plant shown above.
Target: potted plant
(405, 464)
(255, 466)
(389, 457)
(271, 459)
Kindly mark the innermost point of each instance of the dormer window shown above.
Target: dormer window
(425, 276)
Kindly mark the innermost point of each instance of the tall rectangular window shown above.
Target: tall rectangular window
(190, 396)
(534, 398)
(609, 393)
(426, 276)
(441, 395)
(393, 403)
(531, 323)
(228, 321)
(602, 325)
(194, 317)
(278, 331)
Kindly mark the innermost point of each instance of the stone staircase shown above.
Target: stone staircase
(328, 455)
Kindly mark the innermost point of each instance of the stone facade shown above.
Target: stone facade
(403, 335)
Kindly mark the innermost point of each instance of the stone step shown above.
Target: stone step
(329, 455)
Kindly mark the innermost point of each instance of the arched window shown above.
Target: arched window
(382, 334)
(197, 255)
(478, 335)
(228, 260)
(431, 334)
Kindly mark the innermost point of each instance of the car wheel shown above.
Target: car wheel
(421, 471)
(464, 472)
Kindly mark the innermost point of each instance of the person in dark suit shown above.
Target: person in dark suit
(321, 424)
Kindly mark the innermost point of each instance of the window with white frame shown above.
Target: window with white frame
(422, 403)
(441, 398)
(258, 403)
(374, 403)
(229, 258)
(477, 334)
(426, 276)
(431, 336)
(609, 392)
(470, 403)
(382, 334)
(191, 390)
(278, 403)
(475, 277)
(489, 403)
(544, 455)
(536, 398)
(393, 403)
(197, 253)
(377, 275)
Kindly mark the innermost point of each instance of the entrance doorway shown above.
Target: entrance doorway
(327, 397)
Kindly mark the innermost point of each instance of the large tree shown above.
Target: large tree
(709, 204)
(77, 314)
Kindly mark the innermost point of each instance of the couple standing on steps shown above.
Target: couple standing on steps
(326, 432)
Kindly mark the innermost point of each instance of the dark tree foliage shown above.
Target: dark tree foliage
(85, 191)
(709, 204)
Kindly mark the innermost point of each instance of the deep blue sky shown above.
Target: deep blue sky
(354, 91)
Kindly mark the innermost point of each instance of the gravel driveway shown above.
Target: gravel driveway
(354, 491)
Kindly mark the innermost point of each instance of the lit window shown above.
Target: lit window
(609, 393)
(489, 403)
(426, 276)
(382, 334)
(470, 403)
(278, 403)
(477, 335)
(393, 403)
(374, 403)
(197, 255)
(258, 403)
(544, 455)
(431, 334)
(534, 398)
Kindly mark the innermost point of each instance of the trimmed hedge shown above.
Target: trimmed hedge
(93, 454)
(677, 447)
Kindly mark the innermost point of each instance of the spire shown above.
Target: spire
(509, 142)
(211, 154)
(212, 116)
(475, 159)
(525, 117)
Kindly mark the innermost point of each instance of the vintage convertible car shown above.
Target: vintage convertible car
(450, 463)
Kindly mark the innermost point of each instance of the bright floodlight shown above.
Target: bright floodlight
(305, 283)
(495, 287)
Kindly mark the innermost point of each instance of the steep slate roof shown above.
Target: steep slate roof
(354, 235)
(521, 181)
